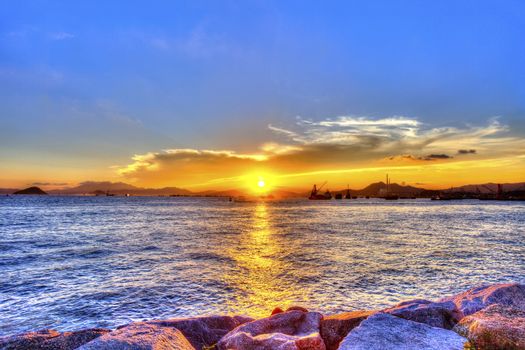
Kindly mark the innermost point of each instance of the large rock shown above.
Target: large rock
(495, 327)
(475, 299)
(292, 330)
(335, 327)
(383, 331)
(51, 340)
(140, 336)
(441, 314)
(203, 332)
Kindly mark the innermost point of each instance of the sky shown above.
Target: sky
(219, 94)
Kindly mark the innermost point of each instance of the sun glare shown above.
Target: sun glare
(259, 183)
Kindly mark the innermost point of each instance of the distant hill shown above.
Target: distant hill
(373, 190)
(31, 190)
(488, 188)
(118, 188)
(379, 188)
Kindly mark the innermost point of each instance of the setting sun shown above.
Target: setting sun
(259, 183)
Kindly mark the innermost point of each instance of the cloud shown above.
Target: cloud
(411, 157)
(438, 156)
(345, 142)
(466, 151)
(61, 36)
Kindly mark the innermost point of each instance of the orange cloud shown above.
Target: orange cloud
(334, 147)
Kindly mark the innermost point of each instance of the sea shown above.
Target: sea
(74, 262)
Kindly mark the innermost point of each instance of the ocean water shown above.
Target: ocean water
(74, 262)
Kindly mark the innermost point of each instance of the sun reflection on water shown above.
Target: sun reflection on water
(259, 257)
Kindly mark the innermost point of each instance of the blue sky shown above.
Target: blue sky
(89, 84)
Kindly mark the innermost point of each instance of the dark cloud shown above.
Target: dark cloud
(430, 157)
(466, 151)
(404, 157)
(437, 156)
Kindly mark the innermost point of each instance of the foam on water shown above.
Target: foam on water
(73, 262)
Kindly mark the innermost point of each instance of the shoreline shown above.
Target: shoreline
(491, 316)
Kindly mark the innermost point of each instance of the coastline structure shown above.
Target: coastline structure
(485, 317)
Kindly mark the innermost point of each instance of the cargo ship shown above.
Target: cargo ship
(316, 193)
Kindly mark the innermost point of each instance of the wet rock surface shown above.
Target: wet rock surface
(440, 314)
(384, 331)
(291, 330)
(475, 299)
(495, 327)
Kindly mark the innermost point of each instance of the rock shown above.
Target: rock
(30, 340)
(495, 327)
(440, 314)
(475, 299)
(335, 327)
(384, 331)
(296, 308)
(277, 310)
(140, 336)
(291, 330)
(203, 331)
(51, 339)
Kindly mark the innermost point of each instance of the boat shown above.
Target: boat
(338, 196)
(389, 196)
(316, 195)
(348, 195)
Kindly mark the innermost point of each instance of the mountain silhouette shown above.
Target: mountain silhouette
(31, 190)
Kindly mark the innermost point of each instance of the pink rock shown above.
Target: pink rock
(495, 327)
(205, 331)
(440, 314)
(30, 340)
(51, 339)
(335, 327)
(140, 336)
(475, 299)
(292, 330)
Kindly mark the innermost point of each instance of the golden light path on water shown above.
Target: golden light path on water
(258, 256)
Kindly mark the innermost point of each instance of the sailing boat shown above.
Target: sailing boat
(389, 196)
(347, 195)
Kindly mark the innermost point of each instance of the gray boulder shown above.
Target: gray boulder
(383, 331)
(140, 336)
(509, 294)
(441, 314)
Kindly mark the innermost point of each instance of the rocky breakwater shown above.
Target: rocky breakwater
(487, 317)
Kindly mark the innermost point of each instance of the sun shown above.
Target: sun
(259, 183)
